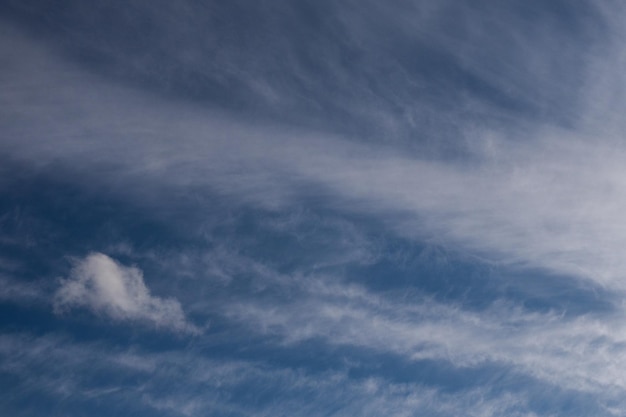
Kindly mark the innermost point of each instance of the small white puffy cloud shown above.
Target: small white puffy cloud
(108, 288)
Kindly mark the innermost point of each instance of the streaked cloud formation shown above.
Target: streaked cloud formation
(550, 197)
(339, 209)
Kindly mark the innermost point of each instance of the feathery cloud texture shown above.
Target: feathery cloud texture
(408, 208)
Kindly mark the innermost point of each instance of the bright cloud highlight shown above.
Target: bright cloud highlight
(108, 288)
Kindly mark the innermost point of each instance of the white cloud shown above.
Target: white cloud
(105, 287)
(584, 353)
(189, 383)
(551, 198)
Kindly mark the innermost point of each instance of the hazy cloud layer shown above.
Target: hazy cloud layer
(380, 209)
(205, 386)
(546, 196)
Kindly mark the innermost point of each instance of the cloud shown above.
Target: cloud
(13, 290)
(584, 353)
(543, 196)
(108, 288)
(192, 383)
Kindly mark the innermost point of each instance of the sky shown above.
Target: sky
(312, 208)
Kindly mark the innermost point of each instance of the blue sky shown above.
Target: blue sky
(312, 208)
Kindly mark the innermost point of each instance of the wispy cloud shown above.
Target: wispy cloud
(584, 353)
(13, 290)
(105, 287)
(536, 180)
(190, 384)
(551, 199)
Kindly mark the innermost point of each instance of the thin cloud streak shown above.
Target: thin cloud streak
(199, 386)
(584, 353)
